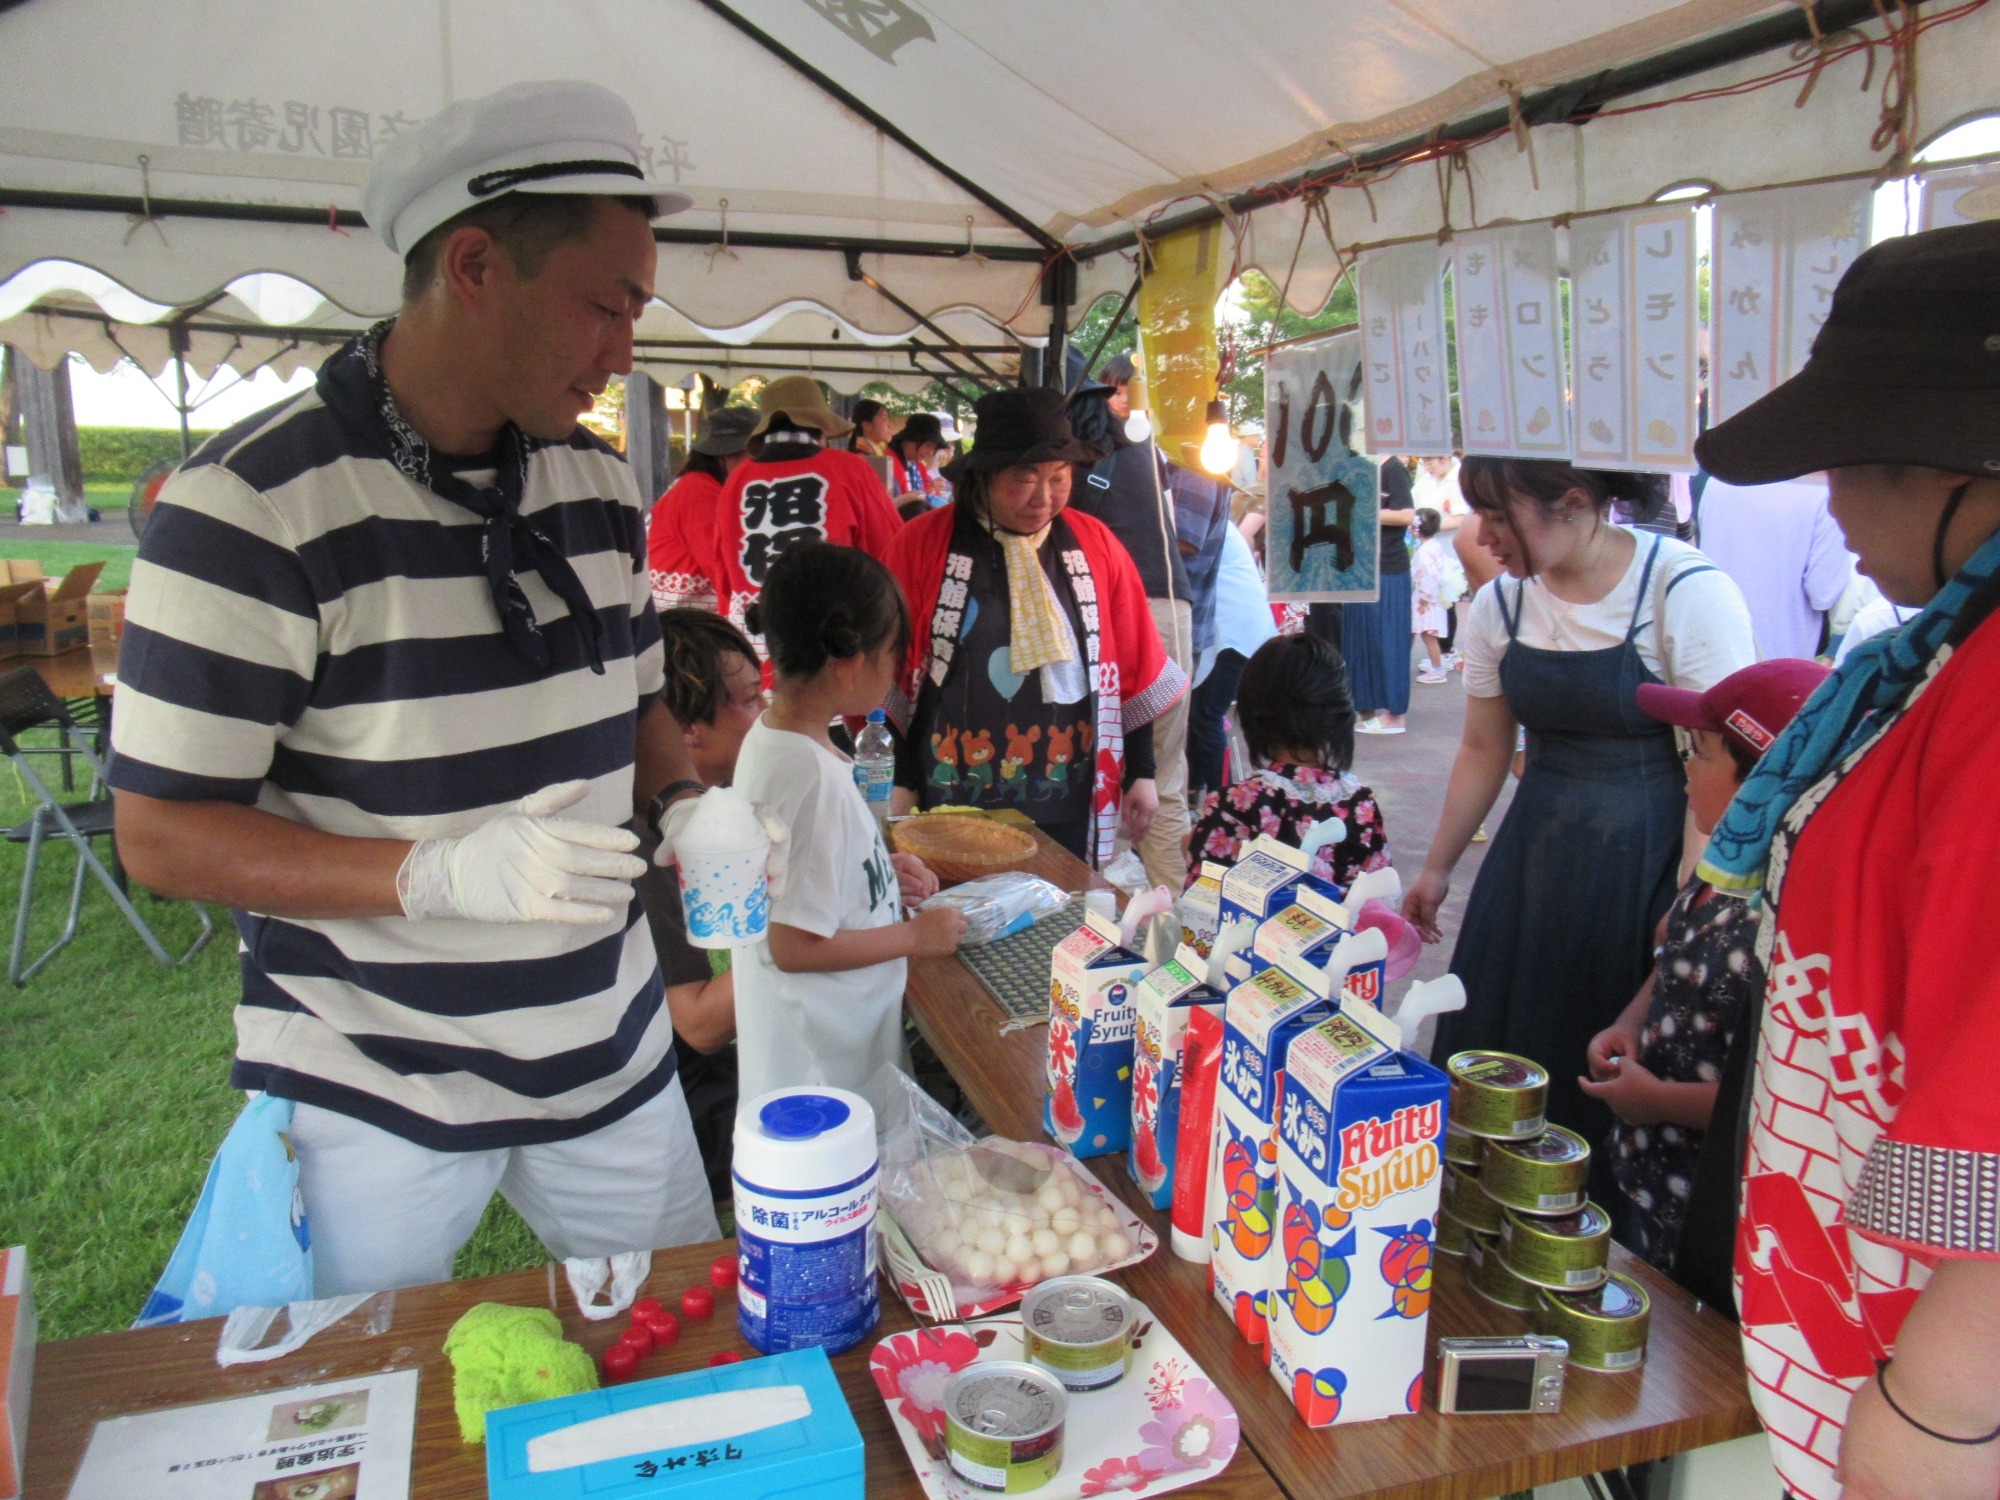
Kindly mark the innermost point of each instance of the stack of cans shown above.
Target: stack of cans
(1514, 1205)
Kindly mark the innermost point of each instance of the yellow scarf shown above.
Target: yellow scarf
(1041, 633)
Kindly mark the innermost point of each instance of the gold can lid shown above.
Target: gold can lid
(1554, 1145)
(1587, 1223)
(1618, 1299)
(1496, 1070)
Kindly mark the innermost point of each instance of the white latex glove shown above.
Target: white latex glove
(526, 865)
(673, 823)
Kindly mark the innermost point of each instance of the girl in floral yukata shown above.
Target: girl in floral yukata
(1293, 706)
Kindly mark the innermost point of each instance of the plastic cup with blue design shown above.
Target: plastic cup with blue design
(724, 858)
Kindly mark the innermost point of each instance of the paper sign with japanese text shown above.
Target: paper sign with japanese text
(1633, 318)
(1778, 256)
(1323, 541)
(1406, 394)
(1959, 195)
(1510, 351)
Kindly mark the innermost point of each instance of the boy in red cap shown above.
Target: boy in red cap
(1657, 1066)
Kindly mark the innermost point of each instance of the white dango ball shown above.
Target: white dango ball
(1050, 1198)
(979, 1268)
(991, 1240)
(1067, 1186)
(1047, 1242)
(1115, 1246)
(945, 1244)
(1083, 1248)
(1055, 1264)
(1065, 1221)
(1020, 1248)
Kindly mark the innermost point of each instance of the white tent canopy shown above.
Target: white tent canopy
(828, 139)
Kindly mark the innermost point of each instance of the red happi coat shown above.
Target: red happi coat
(1133, 680)
(680, 543)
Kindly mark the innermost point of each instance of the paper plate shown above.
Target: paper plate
(1163, 1427)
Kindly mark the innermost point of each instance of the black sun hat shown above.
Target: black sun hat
(1021, 426)
(1906, 370)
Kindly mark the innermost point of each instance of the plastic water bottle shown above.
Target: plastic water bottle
(875, 764)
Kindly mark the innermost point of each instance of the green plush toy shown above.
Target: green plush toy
(505, 1356)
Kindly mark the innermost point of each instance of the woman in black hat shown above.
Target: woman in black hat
(910, 453)
(1868, 1247)
(680, 533)
(1035, 672)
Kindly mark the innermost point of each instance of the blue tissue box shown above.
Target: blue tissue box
(813, 1453)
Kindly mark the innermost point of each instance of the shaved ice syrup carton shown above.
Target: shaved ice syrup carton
(1166, 997)
(1264, 881)
(1314, 934)
(1201, 908)
(1360, 1154)
(1092, 979)
(1259, 1020)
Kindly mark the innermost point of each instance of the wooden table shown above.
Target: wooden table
(86, 672)
(1691, 1391)
(80, 1382)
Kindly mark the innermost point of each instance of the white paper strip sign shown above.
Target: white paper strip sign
(1510, 353)
(1405, 393)
(1778, 257)
(1959, 195)
(1632, 338)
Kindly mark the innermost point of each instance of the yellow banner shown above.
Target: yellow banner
(1177, 327)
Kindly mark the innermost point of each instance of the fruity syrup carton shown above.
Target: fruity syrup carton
(1315, 933)
(1259, 1020)
(1092, 977)
(1264, 881)
(1165, 998)
(1201, 908)
(1360, 1153)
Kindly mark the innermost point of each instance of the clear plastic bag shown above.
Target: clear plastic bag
(992, 1216)
(996, 905)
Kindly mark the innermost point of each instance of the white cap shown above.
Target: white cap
(527, 138)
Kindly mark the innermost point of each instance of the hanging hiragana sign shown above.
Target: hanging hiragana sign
(1959, 195)
(1510, 351)
(1322, 539)
(1403, 351)
(1778, 256)
(1633, 317)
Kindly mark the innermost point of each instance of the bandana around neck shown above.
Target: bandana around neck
(509, 541)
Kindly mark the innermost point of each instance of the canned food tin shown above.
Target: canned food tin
(1079, 1329)
(1003, 1426)
(1462, 1198)
(1606, 1327)
(1566, 1254)
(1546, 1175)
(1462, 1148)
(1490, 1276)
(1451, 1233)
(1498, 1095)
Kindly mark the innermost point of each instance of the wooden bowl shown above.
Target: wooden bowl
(959, 849)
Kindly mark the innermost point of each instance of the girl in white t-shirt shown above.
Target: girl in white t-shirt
(820, 1001)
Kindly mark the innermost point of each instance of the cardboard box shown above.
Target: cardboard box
(1259, 1020)
(1360, 1165)
(11, 595)
(1092, 977)
(57, 618)
(776, 1426)
(107, 618)
(17, 1367)
(1164, 1000)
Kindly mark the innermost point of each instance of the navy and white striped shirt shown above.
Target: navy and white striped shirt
(311, 631)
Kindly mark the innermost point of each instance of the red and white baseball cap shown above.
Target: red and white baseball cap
(1752, 706)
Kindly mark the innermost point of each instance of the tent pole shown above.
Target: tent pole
(1059, 295)
(1110, 328)
(855, 273)
(177, 337)
(882, 123)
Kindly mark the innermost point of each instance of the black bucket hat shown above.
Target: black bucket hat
(920, 428)
(725, 431)
(1021, 426)
(1906, 370)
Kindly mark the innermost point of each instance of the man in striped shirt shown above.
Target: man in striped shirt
(389, 690)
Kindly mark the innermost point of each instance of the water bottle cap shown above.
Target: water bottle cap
(800, 1117)
(877, 716)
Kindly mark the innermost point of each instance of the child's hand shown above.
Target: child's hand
(1616, 1042)
(914, 877)
(1632, 1090)
(937, 931)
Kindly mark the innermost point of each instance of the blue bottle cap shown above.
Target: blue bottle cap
(877, 716)
(800, 1117)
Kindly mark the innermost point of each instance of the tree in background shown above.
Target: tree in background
(1253, 320)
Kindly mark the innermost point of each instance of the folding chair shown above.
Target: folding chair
(26, 703)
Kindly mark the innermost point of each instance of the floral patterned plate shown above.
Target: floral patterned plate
(1163, 1427)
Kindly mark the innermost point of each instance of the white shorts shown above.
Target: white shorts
(384, 1212)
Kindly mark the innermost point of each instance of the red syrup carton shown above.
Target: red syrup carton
(1092, 979)
(1360, 1165)
(1259, 1020)
(1166, 998)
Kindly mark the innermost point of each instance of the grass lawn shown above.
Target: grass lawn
(116, 495)
(114, 1093)
(57, 558)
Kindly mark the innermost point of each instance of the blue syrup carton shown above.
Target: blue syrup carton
(1093, 979)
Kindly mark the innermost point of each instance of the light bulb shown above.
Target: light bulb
(1218, 448)
(1138, 427)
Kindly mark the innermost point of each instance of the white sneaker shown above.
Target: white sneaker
(1433, 674)
(1376, 726)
